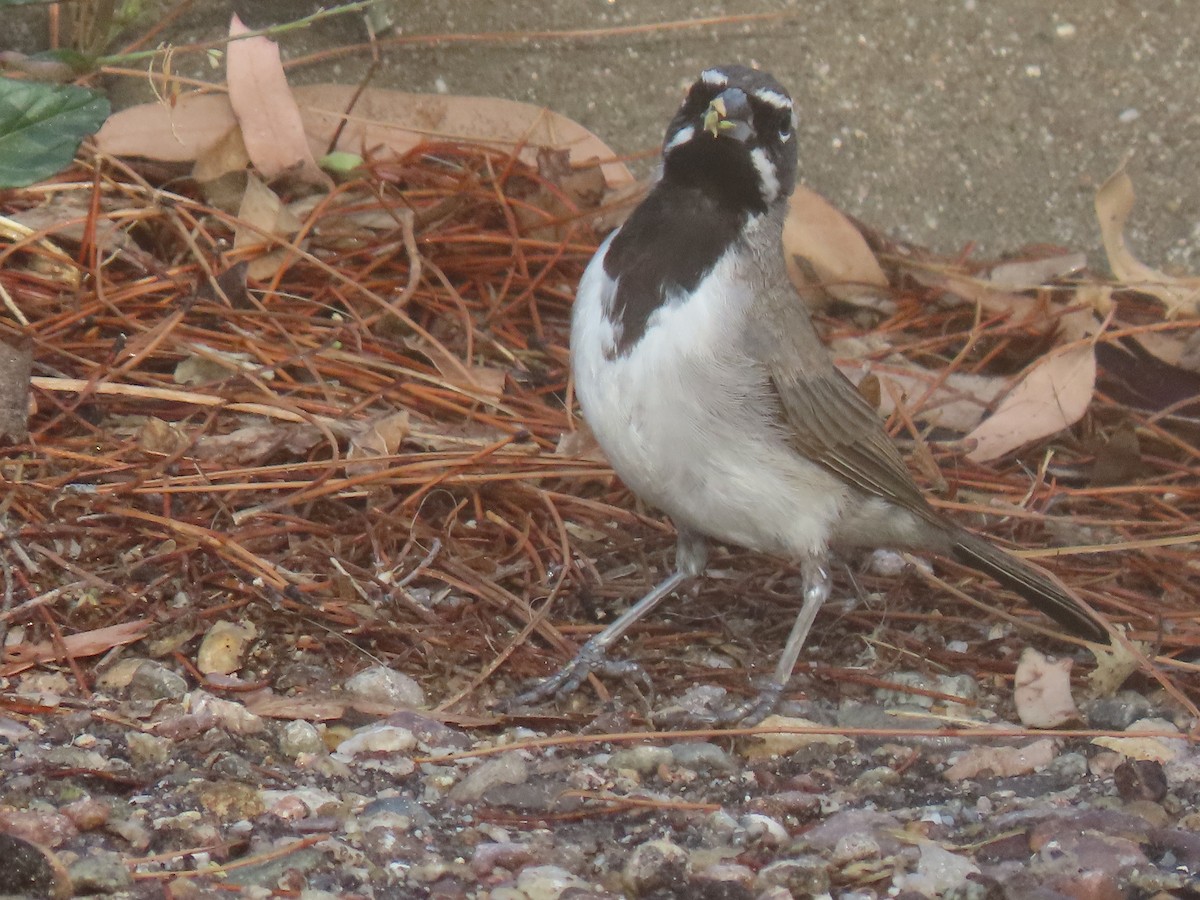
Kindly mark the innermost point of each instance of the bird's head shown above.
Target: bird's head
(733, 136)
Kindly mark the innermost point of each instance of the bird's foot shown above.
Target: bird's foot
(589, 660)
(745, 714)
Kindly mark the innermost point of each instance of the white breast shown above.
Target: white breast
(687, 421)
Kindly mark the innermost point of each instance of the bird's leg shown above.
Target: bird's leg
(816, 582)
(691, 555)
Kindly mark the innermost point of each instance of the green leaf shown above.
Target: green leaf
(41, 127)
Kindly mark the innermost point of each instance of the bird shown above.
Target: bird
(702, 378)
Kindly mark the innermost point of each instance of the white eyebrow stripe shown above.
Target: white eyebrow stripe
(682, 136)
(715, 77)
(772, 98)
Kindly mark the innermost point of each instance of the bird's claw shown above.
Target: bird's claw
(589, 660)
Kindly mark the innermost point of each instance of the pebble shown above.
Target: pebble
(153, 681)
(223, 647)
(103, 872)
(804, 876)
(379, 684)
(729, 881)
(547, 882)
(701, 756)
(763, 831)
(299, 737)
(658, 865)
(508, 768)
(645, 759)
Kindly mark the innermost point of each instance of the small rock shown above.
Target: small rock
(763, 831)
(547, 882)
(938, 871)
(88, 813)
(148, 749)
(153, 681)
(223, 646)
(853, 847)
(804, 876)
(645, 759)
(226, 714)
(376, 739)
(508, 768)
(897, 696)
(38, 826)
(659, 865)
(102, 872)
(701, 756)
(385, 686)
(300, 737)
(508, 855)
(722, 881)
(1117, 712)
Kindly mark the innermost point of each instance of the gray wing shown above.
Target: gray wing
(826, 417)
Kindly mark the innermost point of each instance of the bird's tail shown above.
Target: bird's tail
(1036, 586)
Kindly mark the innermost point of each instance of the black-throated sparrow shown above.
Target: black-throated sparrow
(702, 377)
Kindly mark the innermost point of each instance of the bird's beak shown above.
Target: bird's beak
(729, 115)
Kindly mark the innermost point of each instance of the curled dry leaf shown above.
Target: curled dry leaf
(1114, 202)
(1054, 394)
(826, 252)
(1042, 691)
(271, 124)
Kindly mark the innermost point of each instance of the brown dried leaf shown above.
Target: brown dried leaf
(20, 657)
(168, 133)
(262, 213)
(1042, 691)
(311, 707)
(266, 110)
(400, 121)
(251, 444)
(372, 442)
(1114, 202)
(1053, 395)
(1003, 762)
(819, 239)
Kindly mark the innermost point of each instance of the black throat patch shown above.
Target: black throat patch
(679, 232)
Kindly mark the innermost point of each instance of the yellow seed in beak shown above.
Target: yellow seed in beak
(715, 117)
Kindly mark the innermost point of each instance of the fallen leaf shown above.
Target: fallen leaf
(1027, 274)
(825, 251)
(401, 121)
(374, 441)
(176, 133)
(20, 657)
(251, 444)
(381, 119)
(266, 110)
(1053, 395)
(1114, 202)
(1003, 762)
(1114, 664)
(261, 216)
(1042, 691)
(312, 707)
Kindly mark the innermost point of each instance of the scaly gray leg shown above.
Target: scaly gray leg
(816, 591)
(691, 555)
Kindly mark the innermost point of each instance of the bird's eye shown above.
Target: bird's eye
(785, 132)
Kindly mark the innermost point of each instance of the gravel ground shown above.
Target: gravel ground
(256, 796)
